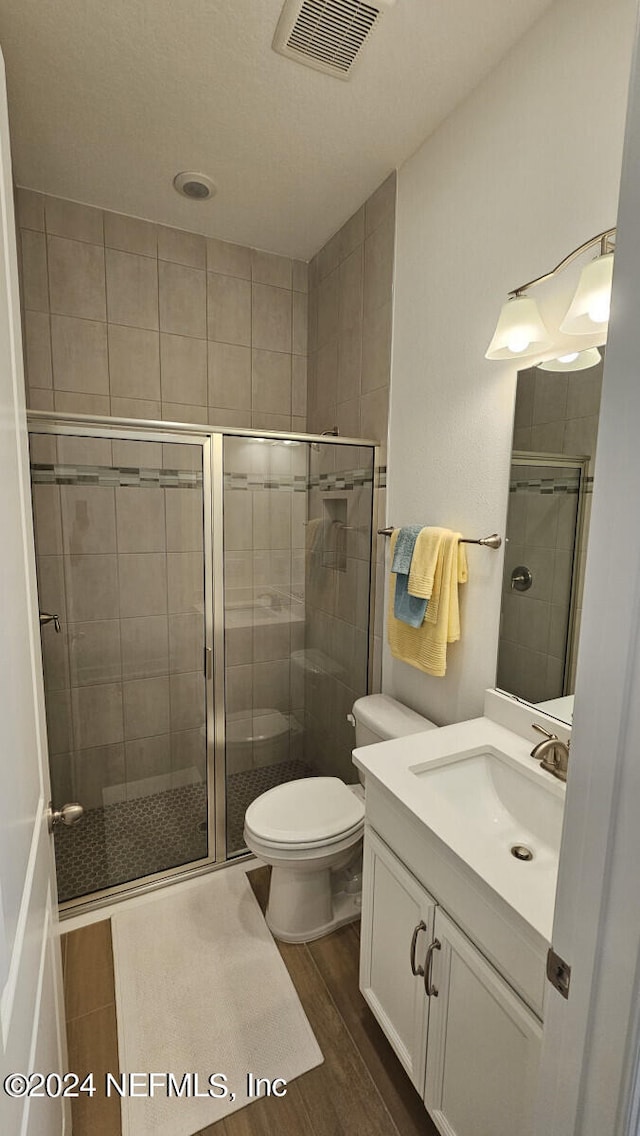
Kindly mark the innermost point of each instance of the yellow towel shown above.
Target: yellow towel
(424, 562)
(433, 607)
(425, 647)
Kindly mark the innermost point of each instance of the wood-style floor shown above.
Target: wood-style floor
(359, 1090)
(90, 1002)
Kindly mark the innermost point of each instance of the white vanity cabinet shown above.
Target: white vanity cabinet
(471, 1049)
(397, 927)
(483, 1045)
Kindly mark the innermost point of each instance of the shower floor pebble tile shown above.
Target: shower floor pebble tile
(133, 839)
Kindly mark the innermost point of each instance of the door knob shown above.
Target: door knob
(67, 815)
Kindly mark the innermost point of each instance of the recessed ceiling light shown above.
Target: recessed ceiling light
(197, 187)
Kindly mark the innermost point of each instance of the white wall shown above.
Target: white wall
(523, 171)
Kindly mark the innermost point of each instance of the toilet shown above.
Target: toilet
(310, 832)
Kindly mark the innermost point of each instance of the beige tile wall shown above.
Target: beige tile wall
(558, 414)
(132, 319)
(350, 298)
(349, 365)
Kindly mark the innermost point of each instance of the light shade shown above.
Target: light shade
(520, 331)
(589, 311)
(573, 361)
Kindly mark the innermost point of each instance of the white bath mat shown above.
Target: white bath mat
(201, 988)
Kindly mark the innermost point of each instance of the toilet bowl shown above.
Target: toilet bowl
(310, 832)
(306, 830)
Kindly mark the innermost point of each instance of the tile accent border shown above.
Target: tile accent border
(550, 485)
(115, 477)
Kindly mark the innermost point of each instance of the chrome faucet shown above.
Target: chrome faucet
(552, 753)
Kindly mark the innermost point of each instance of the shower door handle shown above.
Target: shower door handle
(48, 617)
(67, 815)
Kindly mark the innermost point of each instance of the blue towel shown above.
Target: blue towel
(408, 609)
(405, 545)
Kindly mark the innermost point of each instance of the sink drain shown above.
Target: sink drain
(521, 852)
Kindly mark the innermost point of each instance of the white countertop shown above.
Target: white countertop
(561, 708)
(529, 888)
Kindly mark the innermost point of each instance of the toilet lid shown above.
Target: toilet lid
(306, 811)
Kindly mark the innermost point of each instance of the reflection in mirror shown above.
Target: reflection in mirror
(551, 481)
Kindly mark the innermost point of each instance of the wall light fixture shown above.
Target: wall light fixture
(521, 332)
(573, 361)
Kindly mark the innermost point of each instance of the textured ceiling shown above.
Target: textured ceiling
(109, 100)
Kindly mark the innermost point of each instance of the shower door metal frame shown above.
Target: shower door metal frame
(211, 440)
(378, 545)
(210, 448)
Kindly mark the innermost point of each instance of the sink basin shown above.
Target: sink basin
(470, 793)
(503, 819)
(494, 799)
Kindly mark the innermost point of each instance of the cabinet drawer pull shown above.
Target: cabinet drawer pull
(430, 989)
(416, 970)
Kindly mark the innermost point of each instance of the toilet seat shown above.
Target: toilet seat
(312, 812)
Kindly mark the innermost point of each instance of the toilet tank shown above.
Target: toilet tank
(379, 718)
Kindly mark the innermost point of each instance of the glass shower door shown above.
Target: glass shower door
(119, 542)
(297, 564)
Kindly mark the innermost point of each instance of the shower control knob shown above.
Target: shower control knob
(67, 815)
(521, 578)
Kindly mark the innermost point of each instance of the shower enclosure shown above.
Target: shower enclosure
(543, 575)
(205, 613)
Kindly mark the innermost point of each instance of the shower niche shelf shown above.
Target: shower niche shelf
(334, 532)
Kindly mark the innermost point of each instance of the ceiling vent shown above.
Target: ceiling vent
(327, 34)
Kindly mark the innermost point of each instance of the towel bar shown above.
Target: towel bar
(493, 541)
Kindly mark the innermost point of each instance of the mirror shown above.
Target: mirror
(550, 487)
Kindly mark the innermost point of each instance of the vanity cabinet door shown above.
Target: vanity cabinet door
(397, 927)
(483, 1046)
